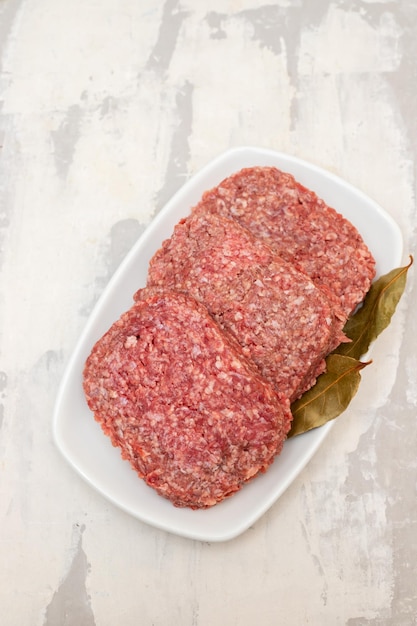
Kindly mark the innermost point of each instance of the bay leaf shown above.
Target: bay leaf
(364, 326)
(334, 389)
(330, 396)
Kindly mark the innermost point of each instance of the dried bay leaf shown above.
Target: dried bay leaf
(330, 395)
(375, 315)
(334, 389)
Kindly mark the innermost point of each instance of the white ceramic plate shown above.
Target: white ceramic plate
(80, 438)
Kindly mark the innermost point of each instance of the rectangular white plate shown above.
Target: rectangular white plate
(80, 438)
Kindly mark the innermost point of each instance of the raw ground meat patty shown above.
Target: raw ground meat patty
(175, 394)
(283, 322)
(300, 227)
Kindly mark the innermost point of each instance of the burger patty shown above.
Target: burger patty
(282, 321)
(186, 408)
(300, 227)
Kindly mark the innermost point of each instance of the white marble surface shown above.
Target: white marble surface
(106, 108)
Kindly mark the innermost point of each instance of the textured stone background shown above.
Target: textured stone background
(106, 108)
